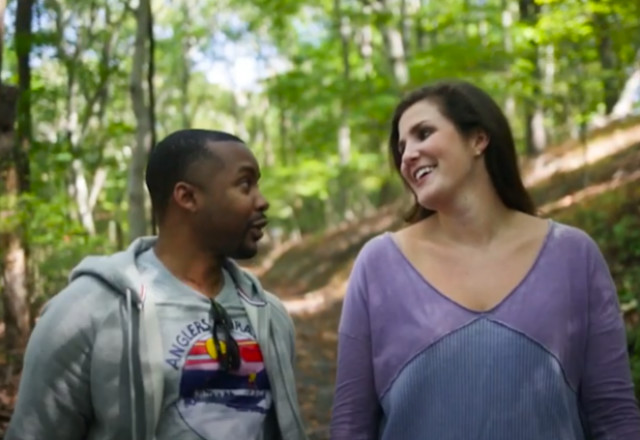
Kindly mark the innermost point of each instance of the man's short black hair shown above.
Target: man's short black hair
(171, 159)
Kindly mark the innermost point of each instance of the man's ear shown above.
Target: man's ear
(185, 196)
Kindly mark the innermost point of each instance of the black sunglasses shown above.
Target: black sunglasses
(228, 358)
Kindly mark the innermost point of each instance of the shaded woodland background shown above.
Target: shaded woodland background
(88, 86)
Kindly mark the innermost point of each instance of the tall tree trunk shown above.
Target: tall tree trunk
(536, 136)
(138, 86)
(185, 78)
(3, 6)
(422, 36)
(611, 81)
(624, 105)
(17, 181)
(77, 119)
(396, 51)
(549, 80)
(344, 131)
(405, 27)
(283, 130)
(261, 118)
(151, 109)
(507, 25)
(343, 29)
(23, 43)
(366, 41)
(261, 134)
(396, 54)
(78, 189)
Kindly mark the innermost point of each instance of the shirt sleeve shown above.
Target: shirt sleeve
(606, 391)
(356, 410)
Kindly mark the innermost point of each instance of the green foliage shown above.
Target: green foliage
(336, 69)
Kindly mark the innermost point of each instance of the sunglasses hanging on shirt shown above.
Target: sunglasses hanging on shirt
(228, 352)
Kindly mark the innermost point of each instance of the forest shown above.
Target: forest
(87, 87)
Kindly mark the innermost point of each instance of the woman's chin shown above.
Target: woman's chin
(429, 201)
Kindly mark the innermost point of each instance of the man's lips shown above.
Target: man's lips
(256, 228)
(260, 223)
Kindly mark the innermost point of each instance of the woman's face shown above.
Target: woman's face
(437, 162)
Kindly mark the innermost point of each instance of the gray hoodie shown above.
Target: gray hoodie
(93, 366)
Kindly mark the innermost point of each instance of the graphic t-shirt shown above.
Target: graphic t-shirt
(201, 401)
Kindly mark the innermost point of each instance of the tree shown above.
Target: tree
(14, 148)
(142, 100)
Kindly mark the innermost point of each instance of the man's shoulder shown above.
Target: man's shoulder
(278, 307)
(85, 296)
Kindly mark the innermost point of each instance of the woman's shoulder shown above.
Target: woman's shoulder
(573, 244)
(377, 247)
(570, 235)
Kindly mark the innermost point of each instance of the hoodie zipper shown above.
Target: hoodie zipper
(270, 349)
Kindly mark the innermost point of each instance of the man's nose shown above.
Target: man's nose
(262, 202)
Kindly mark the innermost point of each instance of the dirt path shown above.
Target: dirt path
(316, 366)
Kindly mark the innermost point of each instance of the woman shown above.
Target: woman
(479, 320)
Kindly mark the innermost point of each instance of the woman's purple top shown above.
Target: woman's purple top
(549, 362)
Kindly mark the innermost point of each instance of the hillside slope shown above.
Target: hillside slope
(310, 274)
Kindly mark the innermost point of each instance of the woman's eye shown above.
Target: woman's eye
(424, 133)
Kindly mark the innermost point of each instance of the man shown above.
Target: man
(169, 339)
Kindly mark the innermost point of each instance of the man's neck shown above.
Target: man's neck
(194, 267)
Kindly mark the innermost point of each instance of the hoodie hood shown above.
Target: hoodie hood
(118, 270)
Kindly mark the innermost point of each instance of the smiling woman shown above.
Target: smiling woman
(515, 328)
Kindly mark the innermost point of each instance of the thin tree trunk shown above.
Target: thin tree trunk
(533, 112)
(396, 54)
(185, 70)
(405, 27)
(344, 131)
(507, 25)
(396, 51)
(78, 189)
(421, 34)
(15, 259)
(261, 119)
(3, 6)
(151, 109)
(366, 41)
(548, 85)
(136, 192)
(23, 50)
(608, 61)
(77, 121)
(283, 131)
(12, 249)
(624, 105)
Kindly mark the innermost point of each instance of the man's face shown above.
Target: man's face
(229, 209)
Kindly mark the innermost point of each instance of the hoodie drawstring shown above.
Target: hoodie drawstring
(132, 388)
